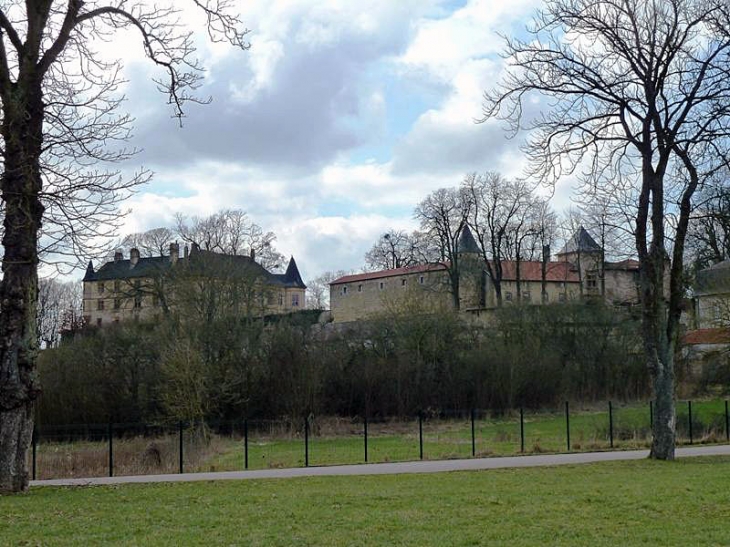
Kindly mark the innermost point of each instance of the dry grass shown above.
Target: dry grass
(131, 456)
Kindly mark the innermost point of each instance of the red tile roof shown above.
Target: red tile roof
(530, 270)
(389, 273)
(707, 336)
(628, 264)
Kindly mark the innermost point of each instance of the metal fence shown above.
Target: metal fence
(131, 449)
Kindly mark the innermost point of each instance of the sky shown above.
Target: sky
(338, 120)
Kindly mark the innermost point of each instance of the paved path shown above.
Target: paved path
(395, 468)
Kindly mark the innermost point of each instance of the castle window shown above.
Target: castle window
(101, 288)
(591, 281)
(281, 299)
(526, 296)
(295, 300)
(359, 288)
(382, 285)
(344, 289)
(403, 282)
(545, 297)
(116, 286)
(137, 302)
(421, 280)
(508, 296)
(562, 297)
(100, 305)
(117, 303)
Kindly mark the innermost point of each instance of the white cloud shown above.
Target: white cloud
(312, 93)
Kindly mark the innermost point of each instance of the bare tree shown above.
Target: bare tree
(59, 115)
(57, 302)
(394, 249)
(443, 216)
(638, 94)
(230, 232)
(318, 289)
(708, 237)
(499, 213)
(154, 242)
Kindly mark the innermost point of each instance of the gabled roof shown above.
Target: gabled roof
(707, 336)
(467, 243)
(531, 270)
(628, 264)
(395, 272)
(581, 242)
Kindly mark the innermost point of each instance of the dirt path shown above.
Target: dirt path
(394, 468)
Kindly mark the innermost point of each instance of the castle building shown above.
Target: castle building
(579, 272)
(147, 287)
(712, 296)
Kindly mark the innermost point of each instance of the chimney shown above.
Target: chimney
(253, 254)
(133, 257)
(174, 252)
(118, 255)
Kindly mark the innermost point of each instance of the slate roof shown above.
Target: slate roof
(231, 264)
(467, 243)
(581, 242)
(123, 269)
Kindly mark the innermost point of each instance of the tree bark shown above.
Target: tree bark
(21, 186)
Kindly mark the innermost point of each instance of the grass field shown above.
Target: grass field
(341, 441)
(608, 504)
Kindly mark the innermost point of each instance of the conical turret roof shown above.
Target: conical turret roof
(467, 243)
(581, 242)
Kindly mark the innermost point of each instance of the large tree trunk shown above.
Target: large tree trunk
(660, 355)
(21, 185)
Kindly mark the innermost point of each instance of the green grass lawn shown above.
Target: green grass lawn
(616, 503)
(444, 439)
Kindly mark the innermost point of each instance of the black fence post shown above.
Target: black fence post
(111, 449)
(727, 423)
(365, 436)
(689, 419)
(306, 441)
(245, 443)
(567, 424)
(610, 423)
(420, 433)
(35, 447)
(180, 431)
(522, 430)
(473, 436)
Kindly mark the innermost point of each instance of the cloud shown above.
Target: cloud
(339, 120)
